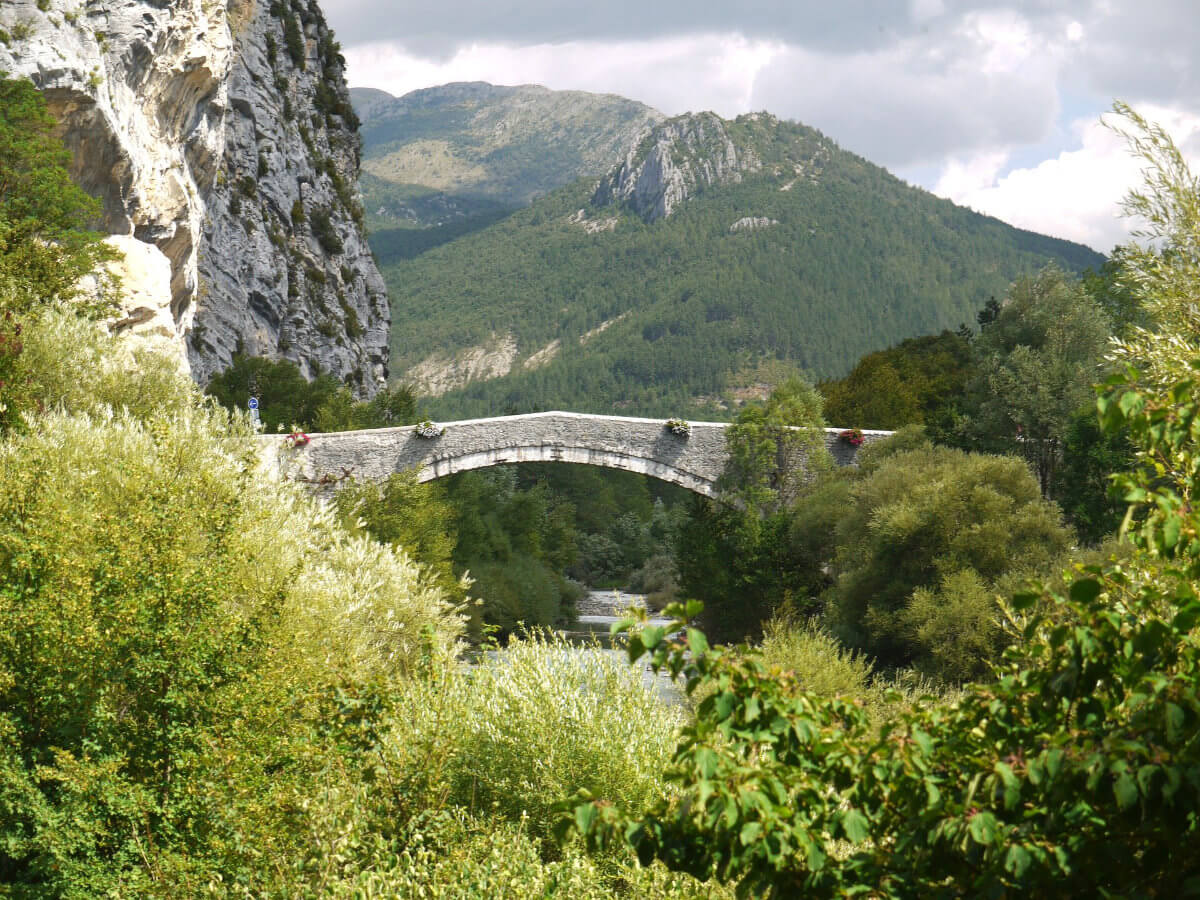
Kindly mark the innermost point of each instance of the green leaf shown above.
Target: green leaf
(622, 625)
(1125, 790)
(636, 649)
(1176, 719)
(1022, 602)
(923, 741)
(750, 833)
(983, 828)
(1186, 619)
(855, 826)
(1085, 591)
(585, 816)
(1017, 861)
(723, 706)
(1131, 403)
(652, 636)
(706, 761)
(1170, 531)
(696, 640)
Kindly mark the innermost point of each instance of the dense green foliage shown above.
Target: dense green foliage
(858, 261)
(925, 538)
(210, 687)
(1021, 387)
(286, 399)
(1037, 361)
(515, 543)
(902, 557)
(739, 555)
(173, 621)
(413, 517)
(1072, 771)
(45, 244)
(920, 381)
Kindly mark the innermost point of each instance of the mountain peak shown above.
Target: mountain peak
(682, 156)
(502, 144)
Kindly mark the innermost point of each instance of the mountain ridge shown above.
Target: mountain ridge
(473, 142)
(711, 249)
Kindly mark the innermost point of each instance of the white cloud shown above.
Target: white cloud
(675, 75)
(953, 89)
(985, 84)
(1076, 194)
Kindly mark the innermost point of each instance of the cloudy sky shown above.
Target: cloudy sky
(997, 106)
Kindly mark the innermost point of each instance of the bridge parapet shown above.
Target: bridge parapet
(646, 446)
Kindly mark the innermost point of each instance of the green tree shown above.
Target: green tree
(775, 448)
(1083, 480)
(46, 246)
(920, 381)
(937, 520)
(413, 516)
(515, 543)
(285, 397)
(1037, 363)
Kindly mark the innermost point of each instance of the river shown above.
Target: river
(598, 610)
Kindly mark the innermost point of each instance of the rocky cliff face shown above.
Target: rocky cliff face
(672, 162)
(221, 141)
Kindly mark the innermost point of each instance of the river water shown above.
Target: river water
(598, 610)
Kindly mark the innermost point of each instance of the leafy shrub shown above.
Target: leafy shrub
(293, 38)
(458, 855)
(539, 721)
(172, 619)
(820, 665)
(916, 519)
(326, 231)
(408, 515)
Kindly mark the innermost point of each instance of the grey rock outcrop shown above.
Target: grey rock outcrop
(675, 160)
(219, 136)
(752, 223)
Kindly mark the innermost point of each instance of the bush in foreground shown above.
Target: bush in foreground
(173, 622)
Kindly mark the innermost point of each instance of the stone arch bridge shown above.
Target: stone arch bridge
(646, 446)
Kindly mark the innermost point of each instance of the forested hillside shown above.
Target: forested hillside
(810, 255)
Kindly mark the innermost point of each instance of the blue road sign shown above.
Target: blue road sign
(254, 403)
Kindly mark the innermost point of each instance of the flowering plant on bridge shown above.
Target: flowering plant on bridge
(851, 436)
(680, 427)
(298, 439)
(427, 429)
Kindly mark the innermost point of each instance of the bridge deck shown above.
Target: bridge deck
(632, 444)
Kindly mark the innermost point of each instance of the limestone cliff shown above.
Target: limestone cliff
(221, 140)
(673, 161)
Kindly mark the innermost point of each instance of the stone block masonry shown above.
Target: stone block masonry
(645, 446)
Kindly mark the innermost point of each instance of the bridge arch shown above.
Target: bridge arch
(693, 461)
(443, 466)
